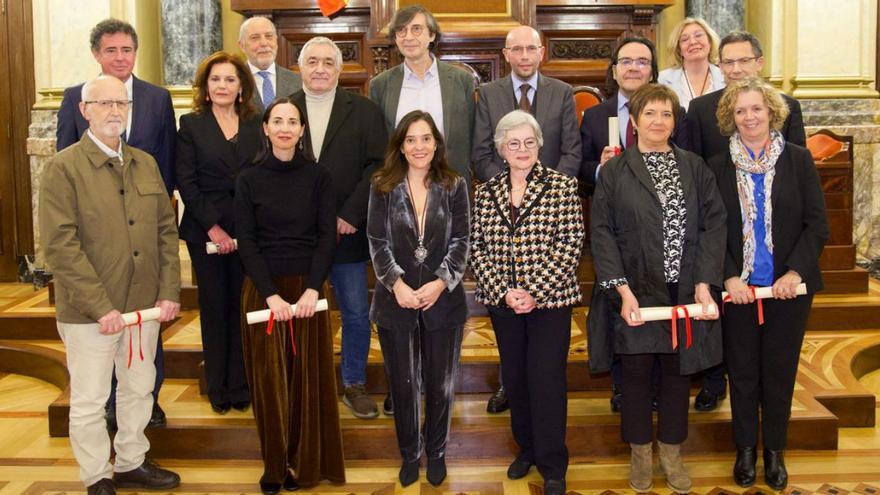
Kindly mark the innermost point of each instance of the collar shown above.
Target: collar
(622, 100)
(517, 82)
(255, 69)
(106, 149)
(431, 72)
(315, 97)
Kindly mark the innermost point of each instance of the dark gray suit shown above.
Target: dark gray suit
(287, 82)
(553, 108)
(457, 92)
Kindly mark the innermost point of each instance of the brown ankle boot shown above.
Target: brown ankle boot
(640, 465)
(677, 478)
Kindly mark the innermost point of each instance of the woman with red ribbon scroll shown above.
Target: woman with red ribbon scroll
(658, 226)
(777, 228)
(285, 218)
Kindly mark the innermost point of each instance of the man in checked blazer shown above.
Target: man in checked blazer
(258, 40)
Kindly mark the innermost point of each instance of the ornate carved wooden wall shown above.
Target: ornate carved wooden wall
(579, 34)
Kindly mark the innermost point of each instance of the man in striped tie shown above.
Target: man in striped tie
(258, 40)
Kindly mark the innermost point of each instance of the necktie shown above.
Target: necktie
(630, 135)
(524, 104)
(268, 91)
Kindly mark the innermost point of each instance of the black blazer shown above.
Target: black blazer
(152, 123)
(391, 229)
(354, 148)
(594, 136)
(207, 167)
(704, 136)
(800, 227)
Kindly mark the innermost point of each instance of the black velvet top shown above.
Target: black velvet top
(285, 218)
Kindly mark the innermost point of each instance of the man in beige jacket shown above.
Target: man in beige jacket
(110, 237)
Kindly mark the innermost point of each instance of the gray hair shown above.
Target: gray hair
(511, 121)
(319, 40)
(246, 23)
(87, 87)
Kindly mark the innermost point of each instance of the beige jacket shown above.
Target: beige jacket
(109, 233)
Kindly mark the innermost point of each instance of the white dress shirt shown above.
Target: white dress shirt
(421, 94)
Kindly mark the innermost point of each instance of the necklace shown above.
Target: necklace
(688, 81)
(420, 253)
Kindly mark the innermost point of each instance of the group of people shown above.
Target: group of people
(295, 181)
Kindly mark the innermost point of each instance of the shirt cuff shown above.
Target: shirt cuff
(613, 283)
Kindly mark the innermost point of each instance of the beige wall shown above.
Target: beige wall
(669, 17)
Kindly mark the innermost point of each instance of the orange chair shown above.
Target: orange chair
(822, 146)
(584, 98)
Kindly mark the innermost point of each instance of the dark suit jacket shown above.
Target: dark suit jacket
(457, 92)
(287, 82)
(800, 227)
(207, 168)
(391, 230)
(153, 124)
(705, 138)
(594, 135)
(553, 108)
(354, 148)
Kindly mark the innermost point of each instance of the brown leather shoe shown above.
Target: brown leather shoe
(149, 475)
(362, 405)
(104, 486)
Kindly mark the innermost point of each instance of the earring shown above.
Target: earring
(240, 100)
(301, 145)
(207, 97)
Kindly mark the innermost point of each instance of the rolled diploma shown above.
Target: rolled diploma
(613, 132)
(767, 292)
(211, 247)
(658, 313)
(263, 314)
(146, 315)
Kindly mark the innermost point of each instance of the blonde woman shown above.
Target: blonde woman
(694, 45)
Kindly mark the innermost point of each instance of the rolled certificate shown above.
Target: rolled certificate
(263, 314)
(211, 247)
(146, 315)
(613, 132)
(767, 292)
(658, 313)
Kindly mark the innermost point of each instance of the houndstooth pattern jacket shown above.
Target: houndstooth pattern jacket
(538, 253)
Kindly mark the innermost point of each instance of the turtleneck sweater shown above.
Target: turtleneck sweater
(285, 222)
(318, 108)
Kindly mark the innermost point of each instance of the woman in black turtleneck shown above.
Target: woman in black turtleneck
(285, 217)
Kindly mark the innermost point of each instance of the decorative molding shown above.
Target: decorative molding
(50, 98)
(643, 16)
(833, 87)
(571, 49)
(380, 59)
(351, 50)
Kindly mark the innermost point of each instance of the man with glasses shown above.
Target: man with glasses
(151, 127)
(741, 57)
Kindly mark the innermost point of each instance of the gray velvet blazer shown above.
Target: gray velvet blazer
(391, 230)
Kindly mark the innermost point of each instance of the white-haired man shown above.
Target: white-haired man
(258, 40)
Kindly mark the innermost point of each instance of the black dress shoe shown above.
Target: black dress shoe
(775, 474)
(290, 484)
(158, 417)
(104, 486)
(554, 487)
(110, 417)
(708, 401)
(221, 408)
(241, 406)
(409, 473)
(744, 469)
(436, 471)
(519, 468)
(270, 488)
(149, 475)
(498, 402)
(616, 398)
(388, 406)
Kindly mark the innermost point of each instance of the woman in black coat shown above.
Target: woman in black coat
(214, 143)
(777, 229)
(657, 228)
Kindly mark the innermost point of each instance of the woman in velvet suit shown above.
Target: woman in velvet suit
(418, 230)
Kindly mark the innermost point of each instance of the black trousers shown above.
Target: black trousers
(534, 354)
(635, 409)
(411, 357)
(220, 278)
(762, 363)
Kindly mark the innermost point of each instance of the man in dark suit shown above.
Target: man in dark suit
(258, 40)
(549, 100)
(348, 136)
(741, 57)
(633, 65)
(151, 128)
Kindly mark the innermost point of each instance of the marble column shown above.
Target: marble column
(191, 31)
(723, 15)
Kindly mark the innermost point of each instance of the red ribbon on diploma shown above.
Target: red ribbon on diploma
(140, 345)
(289, 326)
(759, 301)
(687, 325)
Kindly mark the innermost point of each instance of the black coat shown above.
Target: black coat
(393, 239)
(354, 148)
(800, 226)
(207, 168)
(627, 240)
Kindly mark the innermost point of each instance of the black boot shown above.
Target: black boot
(409, 473)
(775, 474)
(744, 469)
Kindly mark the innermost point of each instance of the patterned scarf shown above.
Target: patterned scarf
(765, 164)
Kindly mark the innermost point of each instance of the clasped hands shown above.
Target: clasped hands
(225, 243)
(422, 298)
(305, 306)
(520, 301)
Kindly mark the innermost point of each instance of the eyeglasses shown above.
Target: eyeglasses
(516, 145)
(108, 104)
(698, 36)
(738, 61)
(640, 63)
(415, 30)
(518, 50)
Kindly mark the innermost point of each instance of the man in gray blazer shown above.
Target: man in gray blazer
(549, 100)
(258, 40)
(423, 82)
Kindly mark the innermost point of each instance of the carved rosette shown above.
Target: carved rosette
(580, 49)
(380, 59)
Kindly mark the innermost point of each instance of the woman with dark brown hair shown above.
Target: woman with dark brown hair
(418, 228)
(214, 143)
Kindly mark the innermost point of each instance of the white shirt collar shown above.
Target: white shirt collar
(517, 82)
(622, 100)
(106, 149)
(255, 69)
(431, 72)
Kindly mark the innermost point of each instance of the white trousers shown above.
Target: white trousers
(90, 359)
